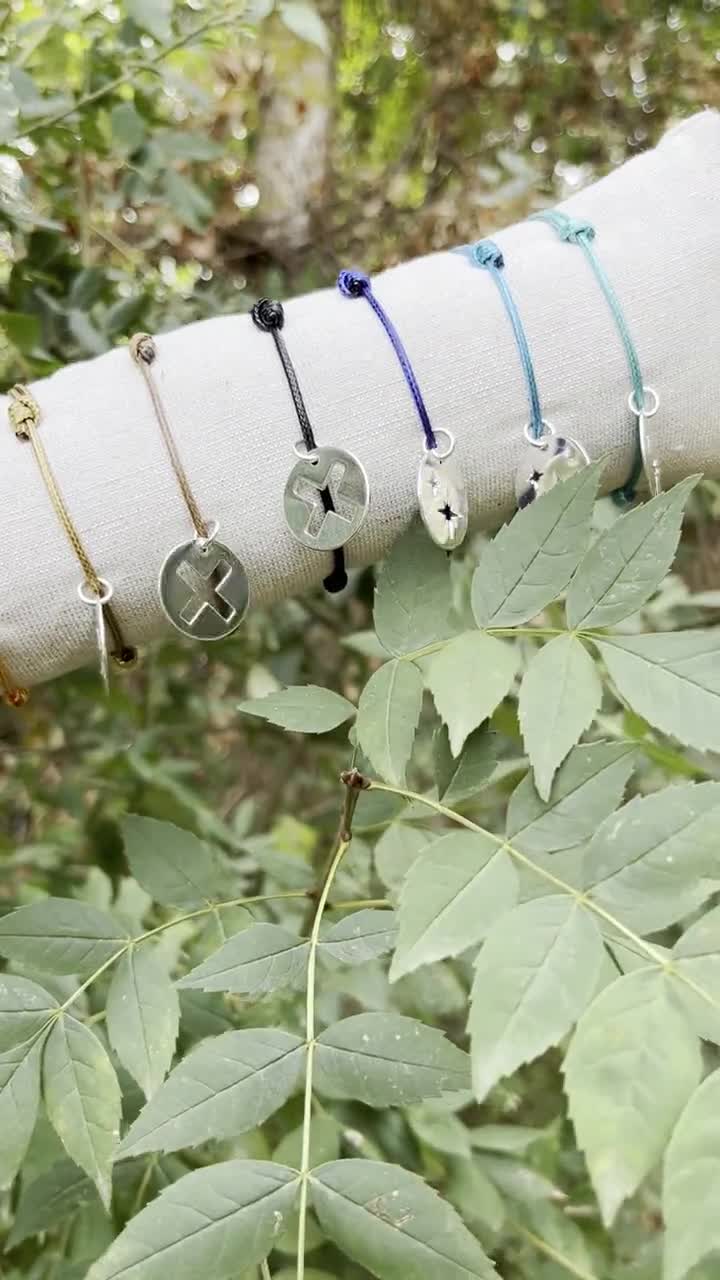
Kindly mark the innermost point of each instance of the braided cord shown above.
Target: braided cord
(485, 253)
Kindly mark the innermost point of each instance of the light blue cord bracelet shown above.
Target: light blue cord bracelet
(643, 400)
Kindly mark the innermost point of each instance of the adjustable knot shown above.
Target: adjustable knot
(142, 348)
(268, 314)
(575, 229)
(23, 411)
(487, 254)
(353, 284)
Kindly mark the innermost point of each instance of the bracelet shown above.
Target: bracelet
(203, 586)
(327, 494)
(643, 400)
(441, 492)
(550, 457)
(93, 590)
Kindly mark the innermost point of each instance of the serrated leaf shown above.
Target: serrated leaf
(255, 961)
(24, 1009)
(413, 595)
(671, 680)
(360, 937)
(559, 697)
(588, 786)
(530, 562)
(632, 1064)
(60, 935)
(207, 1223)
(303, 708)
(50, 1199)
(691, 1176)
(536, 972)
(459, 779)
(385, 1059)
(19, 1102)
(142, 1017)
(175, 867)
(224, 1087)
(629, 561)
(645, 864)
(695, 968)
(388, 715)
(390, 1222)
(397, 850)
(467, 678)
(82, 1097)
(450, 898)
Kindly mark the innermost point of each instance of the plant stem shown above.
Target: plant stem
(551, 1252)
(580, 897)
(265, 1270)
(354, 784)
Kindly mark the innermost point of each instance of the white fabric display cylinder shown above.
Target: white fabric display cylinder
(658, 236)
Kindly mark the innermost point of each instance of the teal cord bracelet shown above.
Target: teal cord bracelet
(643, 400)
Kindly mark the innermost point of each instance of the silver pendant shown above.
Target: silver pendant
(323, 473)
(648, 442)
(548, 459)
(204, 589)
(442, 496)
(97, 603)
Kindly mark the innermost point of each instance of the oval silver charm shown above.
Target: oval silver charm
(652, 465)
(204, 590)
(442, 496)
(341, 475)
(545, 462)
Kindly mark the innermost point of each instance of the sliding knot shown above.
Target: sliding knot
(142, 347)
(268, 314)
(487, 254)
(575, 229)
(353, 284)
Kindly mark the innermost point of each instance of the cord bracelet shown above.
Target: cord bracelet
(204, 590)
(441, 492)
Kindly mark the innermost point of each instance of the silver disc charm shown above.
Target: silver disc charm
(204, 590)
(442, 496)
(652, 465)
(340, 475)
(548, 459)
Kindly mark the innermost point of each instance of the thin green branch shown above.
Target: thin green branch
(550, 1251)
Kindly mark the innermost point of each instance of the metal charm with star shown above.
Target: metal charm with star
(545, 461)
(442, 496)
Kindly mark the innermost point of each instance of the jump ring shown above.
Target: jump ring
(213, 530)
(88, 596)
(539, 442)
(302, 452)
(645, 412)
(441, 454)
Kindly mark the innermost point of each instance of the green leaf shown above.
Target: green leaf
(302, 708)
(530, 562)
(559, 697)
(60, 935)
(257, 960)
(208, 1223)
(450, 898)
(50, 1199)
(467, 679)
(646, 862)
(305, 21)
(224, 1087)
(631, 1067)
(459, 780)
(19, 1102)
(153, 16)
(82, 1097)
(629, 561)
(505, 1139)
(471, 1191)
(588, 786)
(413, 596)
(385, 1059)
(388, 715)
(175, 867)
(690, 1182)
(24, 1009)
(142, 1017)
(23, 331)
(128, 129)
(672, 680)
(397, 850)
(438, 1128)
(695, 959)
(360, 937)
(536, 972)
(390, 1222)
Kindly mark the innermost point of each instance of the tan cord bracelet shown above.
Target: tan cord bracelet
(13, 694)
(203, 586)
(94, 590)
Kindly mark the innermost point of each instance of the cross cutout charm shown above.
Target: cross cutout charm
(309, 491)
(206, 591)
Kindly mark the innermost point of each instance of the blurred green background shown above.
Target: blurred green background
(164, 161)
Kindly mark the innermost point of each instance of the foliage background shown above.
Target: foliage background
(161, 162)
